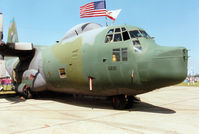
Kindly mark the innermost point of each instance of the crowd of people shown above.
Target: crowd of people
(192, 80)
(5, 82)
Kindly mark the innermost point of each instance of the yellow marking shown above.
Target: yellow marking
(114, 58)
(7, 92)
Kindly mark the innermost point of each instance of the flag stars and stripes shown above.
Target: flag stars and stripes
(93, 9)
(98, 9)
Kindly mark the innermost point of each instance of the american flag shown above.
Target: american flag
(93, 9)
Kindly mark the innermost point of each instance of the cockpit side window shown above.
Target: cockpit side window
(111, 31)
(109, 36)
(135, 34)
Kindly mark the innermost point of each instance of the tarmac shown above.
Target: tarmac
(171, 110)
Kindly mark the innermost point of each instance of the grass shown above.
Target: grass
(190, 85)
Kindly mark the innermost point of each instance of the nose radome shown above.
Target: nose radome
(167, 66)
(171, 65)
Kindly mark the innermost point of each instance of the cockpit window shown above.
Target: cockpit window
(117, 30)
(144, 34)
(135, 34)
(125, 35)
(123, 29)
(117, 37)
(111, 31)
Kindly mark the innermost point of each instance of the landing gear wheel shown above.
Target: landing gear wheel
(119, 102)
(27, 93)
(130, 102)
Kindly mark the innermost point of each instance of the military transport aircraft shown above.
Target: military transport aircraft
(117, 61)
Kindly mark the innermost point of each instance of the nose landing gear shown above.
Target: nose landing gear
(121, 102)
(27, 93)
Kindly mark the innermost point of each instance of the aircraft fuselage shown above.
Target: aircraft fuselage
(130, 66)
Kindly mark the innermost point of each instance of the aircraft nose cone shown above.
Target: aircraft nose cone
(173, 63)
(168, 66)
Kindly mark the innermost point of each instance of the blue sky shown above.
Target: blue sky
(171, 22)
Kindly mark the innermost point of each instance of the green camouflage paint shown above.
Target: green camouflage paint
(68, 64)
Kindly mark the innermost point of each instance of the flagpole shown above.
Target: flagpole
(106, 21)
(113, 22)
(106, 16)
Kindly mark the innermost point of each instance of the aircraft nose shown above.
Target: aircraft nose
(171, 64)
(168, 66)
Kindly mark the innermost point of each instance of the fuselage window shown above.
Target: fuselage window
(62, 73)
(116, 55)
(117, 37)
(135, 34)
(124, 54)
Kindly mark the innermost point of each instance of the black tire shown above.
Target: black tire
(130, 102)
(119, 102)
(27, 93)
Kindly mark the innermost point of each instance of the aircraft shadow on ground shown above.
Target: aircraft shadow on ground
(91, 102)
(146, 107)
(103, 103)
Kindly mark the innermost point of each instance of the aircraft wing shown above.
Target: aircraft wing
(12, 47)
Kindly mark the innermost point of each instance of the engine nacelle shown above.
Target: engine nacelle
(23, 46)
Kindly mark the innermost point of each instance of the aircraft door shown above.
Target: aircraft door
(116, 42)
(114, 66)
(110, 68)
